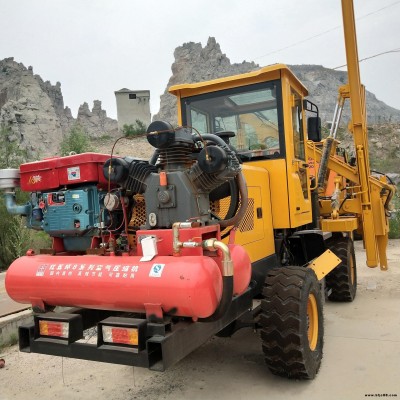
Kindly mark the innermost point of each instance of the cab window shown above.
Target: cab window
(297, 122)
(253, 113)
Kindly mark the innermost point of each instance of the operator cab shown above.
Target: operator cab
(264, 111)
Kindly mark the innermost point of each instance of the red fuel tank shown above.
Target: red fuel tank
(189, 286)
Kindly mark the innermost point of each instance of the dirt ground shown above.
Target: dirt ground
(361, 358)
(134, 147)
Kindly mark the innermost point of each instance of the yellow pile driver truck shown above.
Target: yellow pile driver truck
(233, 207)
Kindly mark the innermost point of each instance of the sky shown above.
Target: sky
(94, 47)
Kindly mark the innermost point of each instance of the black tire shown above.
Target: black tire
(341, 283)
(292, 322)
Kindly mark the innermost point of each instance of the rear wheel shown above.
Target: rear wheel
(292, 322)
(341, 282)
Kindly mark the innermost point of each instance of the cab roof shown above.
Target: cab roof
(271, 72)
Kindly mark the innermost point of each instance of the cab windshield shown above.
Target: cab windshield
(252, 113)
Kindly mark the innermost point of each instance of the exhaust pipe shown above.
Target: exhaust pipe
(9, 180)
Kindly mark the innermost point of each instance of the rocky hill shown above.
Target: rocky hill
(34, 111)
(322, 84)
(194, 63)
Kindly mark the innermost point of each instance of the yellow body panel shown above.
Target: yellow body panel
(324, 264)
(299, 205)
(277, 191)
(339, 225)
(264, 74)
(259, 241)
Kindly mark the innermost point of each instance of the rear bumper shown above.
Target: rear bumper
(165, 343)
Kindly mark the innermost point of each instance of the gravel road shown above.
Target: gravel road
(361, 357)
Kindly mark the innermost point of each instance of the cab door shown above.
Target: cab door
(297, 168)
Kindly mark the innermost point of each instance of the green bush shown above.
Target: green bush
(15, 238)
(394, 224)
(11, 156)
(138, 128)
(11, 238)
(75, 141)
(394, 221)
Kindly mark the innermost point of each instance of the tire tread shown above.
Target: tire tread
(285, 342)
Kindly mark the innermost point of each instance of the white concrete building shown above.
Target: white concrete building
(132, 105)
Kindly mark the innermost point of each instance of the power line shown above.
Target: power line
(378, 10)
(325, 32)
(375, 55)
(299, 42)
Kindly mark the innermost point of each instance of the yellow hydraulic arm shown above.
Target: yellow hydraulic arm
(370, 196)
(375, 237)
(357, 98)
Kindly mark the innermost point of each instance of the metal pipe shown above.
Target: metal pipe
(176, 243)
(13, 208)
(227, 266)
(227, 278)
(332, 130)
(227, 263)
(339, 116)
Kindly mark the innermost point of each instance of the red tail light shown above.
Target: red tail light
(53, 328)
(120, 335)
(123, 332)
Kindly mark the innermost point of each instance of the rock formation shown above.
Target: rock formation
(322, 84)
(96, 122)
(27, 108)
(34, 111)
(193, 63)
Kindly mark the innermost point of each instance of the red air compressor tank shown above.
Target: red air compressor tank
(188, 286)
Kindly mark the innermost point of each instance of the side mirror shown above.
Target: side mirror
(314, 128)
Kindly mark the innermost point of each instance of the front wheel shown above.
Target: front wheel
(292, 322)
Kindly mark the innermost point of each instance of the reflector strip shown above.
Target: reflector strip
(112, 334)
(53, 328)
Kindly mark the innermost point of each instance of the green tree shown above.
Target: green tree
(11, 155)
(138, 128)
(14, 237)
(75, 141)
(394, 221)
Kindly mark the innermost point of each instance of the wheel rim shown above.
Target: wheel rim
(352, 270)
(312, 319)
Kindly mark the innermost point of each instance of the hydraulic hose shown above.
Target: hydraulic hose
(227, 279)
(244, 202)
(226, 300)
(154, 157)
(213, 138)
(323, 166)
